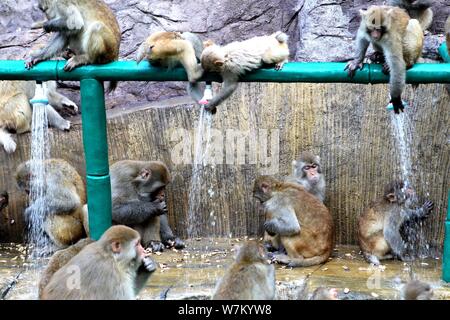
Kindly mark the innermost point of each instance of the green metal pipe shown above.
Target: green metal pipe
(292, 72)
(95, 142)
(444, 52)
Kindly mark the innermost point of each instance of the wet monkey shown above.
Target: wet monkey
(88, 27)
(62, 202)
(303, 223)
(16, 112)
(237, 58)
(169, 49)
(380, 224)
(4, 200)
(323, 293)
(138, 195)
(417, 9)
(397, 37)
(113, 268)
(250, 277)
(417, 290)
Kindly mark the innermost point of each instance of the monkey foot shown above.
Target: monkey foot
(156, 246)
(213, 110)
(176, 243)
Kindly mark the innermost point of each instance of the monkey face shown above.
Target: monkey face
(312, 172)
(3, 200)
(376, 21)
(148, 185)
(212, 59)
(262, 190)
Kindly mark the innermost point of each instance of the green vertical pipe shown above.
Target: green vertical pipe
(96, 154)
(446, 254)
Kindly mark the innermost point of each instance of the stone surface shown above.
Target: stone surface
(320, 30)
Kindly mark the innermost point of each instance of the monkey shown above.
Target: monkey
(322, 293)
(250, 277)
(60, 259)
(63, 200)
(170, 49)
(113, 268)
(88, 27)
(379, 225)
(417, 9)
(138, 200)
(417, 290)
(237, 58)
(16, 113)
(307, 172)
(4, 200)
(399, 38)
(302, 221)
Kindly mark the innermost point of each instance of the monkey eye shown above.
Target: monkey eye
(307, 167)
(313, 166)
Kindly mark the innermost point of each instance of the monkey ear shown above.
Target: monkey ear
(391, 197)
(145, 174)
(116, 247)
(218, 63)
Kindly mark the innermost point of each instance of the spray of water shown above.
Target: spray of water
(403, 132)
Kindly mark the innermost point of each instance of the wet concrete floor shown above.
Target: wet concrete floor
(193, 272)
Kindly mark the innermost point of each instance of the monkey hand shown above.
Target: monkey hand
(162, 208)
(31, 62)
(156, 246)
(149, 264)
(270, 228)
(386, 69)
(397, 104)
(427, 207)
(211, 108)
(352, 66)
(176, 243)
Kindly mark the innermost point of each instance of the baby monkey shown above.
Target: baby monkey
(237, 58)
(169, 49)
(394, 35)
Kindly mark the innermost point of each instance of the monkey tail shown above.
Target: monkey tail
(281, 37)
(112, 86)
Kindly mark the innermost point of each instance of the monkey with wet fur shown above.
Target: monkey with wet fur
(138, 195)
(62, 202)
(250, 277)
(417, 290)
(323, 293)
(16, 113)
(113, 268)
(397, 37)
(4, 200)
(379, 226)
(58, 260)
(170, 49)
(307, 172)
(302, 221)
(88, 27)
(237, 58)
(417, 9)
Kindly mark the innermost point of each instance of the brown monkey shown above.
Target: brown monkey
(417, 9)
(139, 201)
(4, 199)
(322, 293)
(250, 277)
(379, 226)
(113, 268)
(307, 172)
(63, 200)
(399, 38)
(417, 290)
(304, 224)
(237, 58)
(88, 27)
(59, 259)
(170, 49)
(16, 114)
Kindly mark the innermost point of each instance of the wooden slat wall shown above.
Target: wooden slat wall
(347, 125)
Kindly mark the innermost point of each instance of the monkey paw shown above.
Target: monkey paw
(71, 106)
(149, 264)
(30, 63)
(211, 109)
(156, 246)
(279, 66)
(386, 70)
(352, 66)
(397, 104)
(176, 243)
(427, 207)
